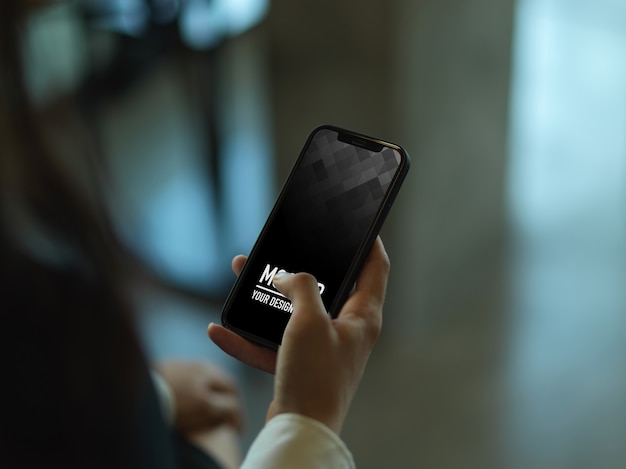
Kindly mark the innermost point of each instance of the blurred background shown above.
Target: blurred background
(505, 329)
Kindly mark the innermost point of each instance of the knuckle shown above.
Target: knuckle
(303, 280)
(373, 329)
(375, 319)
(385, 262)
(371, 326)
(366, 335)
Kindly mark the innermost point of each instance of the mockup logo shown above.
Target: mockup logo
(267, 277)
(265, 293)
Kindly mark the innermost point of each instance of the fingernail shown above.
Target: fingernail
(281, 275)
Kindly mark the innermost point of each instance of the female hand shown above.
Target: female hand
(320, 362)
(205, 396)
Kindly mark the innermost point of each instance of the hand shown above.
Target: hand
(205, 396)
(233, 344)
(320, 362)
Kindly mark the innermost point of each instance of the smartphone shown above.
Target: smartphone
(324, 222)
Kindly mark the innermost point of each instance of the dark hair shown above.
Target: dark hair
(72, 362)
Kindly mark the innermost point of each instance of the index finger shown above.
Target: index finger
(366, 302)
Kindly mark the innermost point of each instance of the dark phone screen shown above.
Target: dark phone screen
(325, 213)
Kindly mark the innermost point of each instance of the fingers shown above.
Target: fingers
(371, 284)
(205, 396)
(223, 397)
(221, 381)
(238, 263)
(225, 407)
(372, 280)
(239, 348)
(366, 302)
(301, 289)
(363, 307)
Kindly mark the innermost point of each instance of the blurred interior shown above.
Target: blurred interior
(505, 332)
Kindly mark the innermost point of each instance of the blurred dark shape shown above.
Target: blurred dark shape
(114, 50)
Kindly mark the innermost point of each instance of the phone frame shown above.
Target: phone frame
(353, 138)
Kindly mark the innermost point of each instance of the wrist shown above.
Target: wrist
(333, 420)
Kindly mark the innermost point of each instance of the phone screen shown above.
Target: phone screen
(327, 215)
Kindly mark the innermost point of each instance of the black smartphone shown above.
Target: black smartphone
(324, 222)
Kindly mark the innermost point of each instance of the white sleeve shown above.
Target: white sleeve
(292, 440)
(166, 396)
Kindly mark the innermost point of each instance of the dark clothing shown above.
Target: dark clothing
(75, 388)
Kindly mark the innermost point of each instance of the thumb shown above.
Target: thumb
(301, 289)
